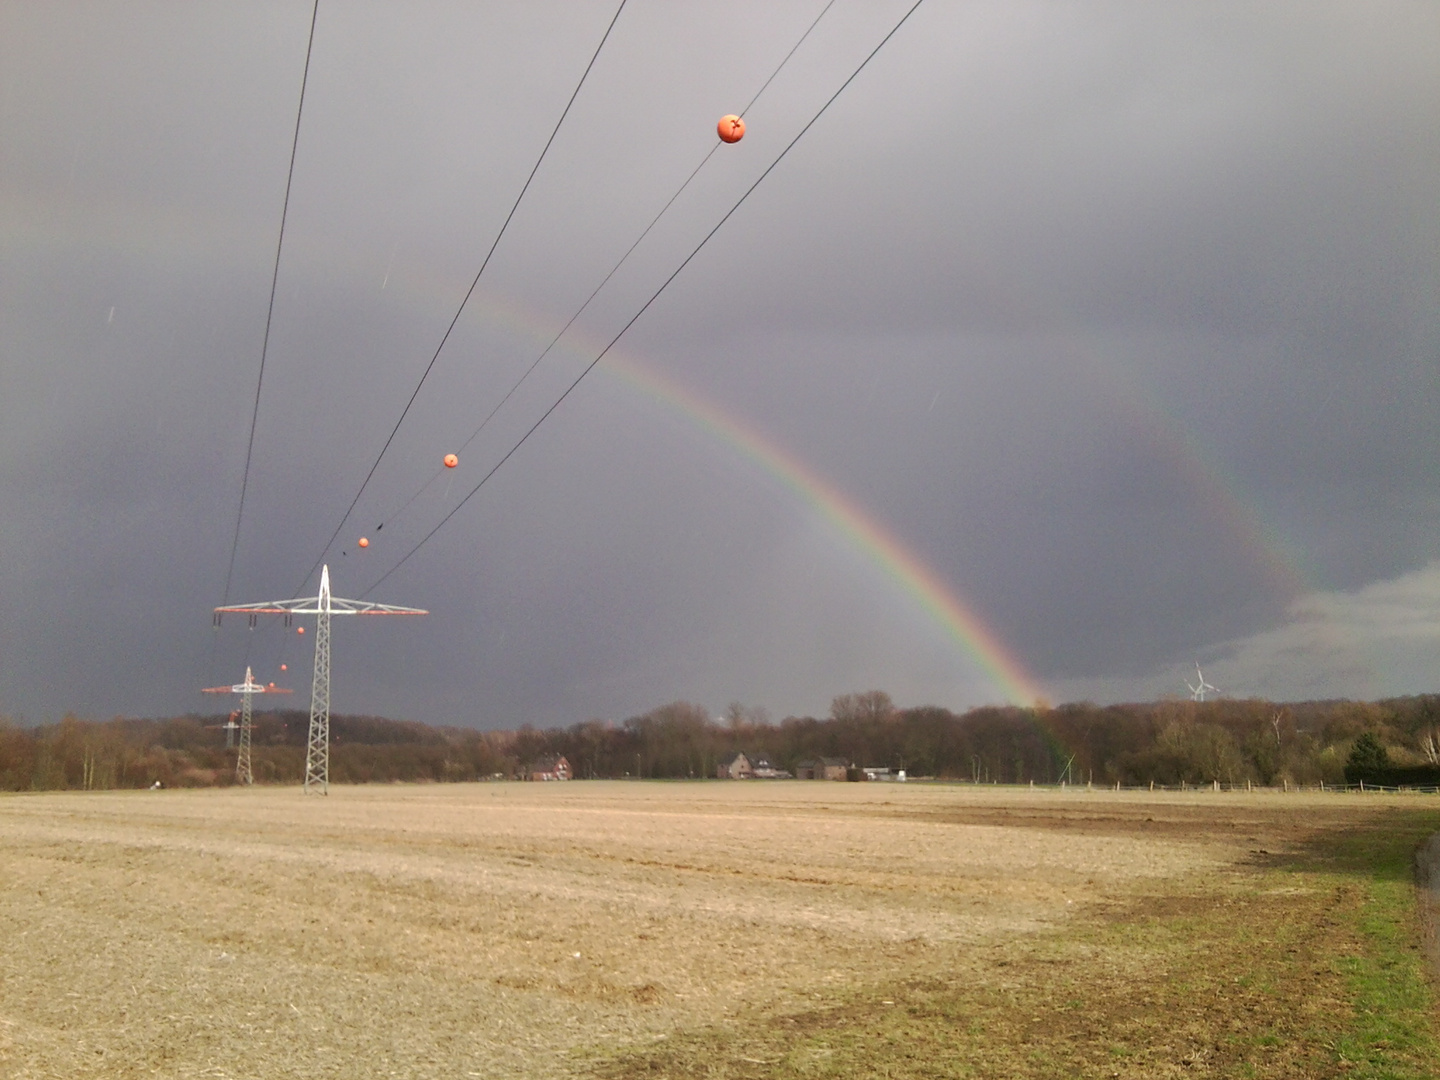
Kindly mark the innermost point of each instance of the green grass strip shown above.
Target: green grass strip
(1394, 1029)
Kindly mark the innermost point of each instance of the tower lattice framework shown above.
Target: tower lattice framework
(243, 775)
(317, 744)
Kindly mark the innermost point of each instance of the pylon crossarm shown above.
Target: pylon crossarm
(241, 688)
(305, 605)
(310, 605)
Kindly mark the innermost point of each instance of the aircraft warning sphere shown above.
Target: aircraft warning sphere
(284, 667)
(731, 128)
(364, 542)
(451, 461)
(299, 629)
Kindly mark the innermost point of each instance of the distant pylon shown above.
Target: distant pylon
(243, 775)
(247, 691)
(322, 606)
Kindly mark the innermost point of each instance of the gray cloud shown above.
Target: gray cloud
(1377, 640)
(1120, 317)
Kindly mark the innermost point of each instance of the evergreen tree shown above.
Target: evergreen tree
(1368, 759)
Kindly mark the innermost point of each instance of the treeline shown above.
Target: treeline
(190, 752)
(1168, 743)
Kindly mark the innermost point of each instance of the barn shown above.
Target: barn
(549, 768)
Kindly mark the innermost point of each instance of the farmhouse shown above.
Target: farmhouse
(550, 768)
(825, 768)
(765, 769)
(831, 768)
(735, 767)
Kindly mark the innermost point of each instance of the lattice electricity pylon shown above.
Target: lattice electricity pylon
(247, 691)
(317, 749)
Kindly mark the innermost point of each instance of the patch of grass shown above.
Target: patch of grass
(1394, 1031)
(1308, 965)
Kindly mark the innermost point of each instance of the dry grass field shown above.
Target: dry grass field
(710, 929)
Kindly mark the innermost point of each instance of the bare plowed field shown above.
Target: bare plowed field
(555, 929)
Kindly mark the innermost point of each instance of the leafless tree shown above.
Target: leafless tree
(871, 706)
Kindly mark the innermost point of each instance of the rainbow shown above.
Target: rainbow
(876, 543)
(898, 563)
(160, 232)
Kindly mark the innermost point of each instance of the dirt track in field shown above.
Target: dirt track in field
(516, 929)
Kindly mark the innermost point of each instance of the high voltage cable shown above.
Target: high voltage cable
(556, 339)
(265, 342)
(270, 310)
(603, 282)
(613, 270)
(654, 296)
(785, 61)
(469, 292)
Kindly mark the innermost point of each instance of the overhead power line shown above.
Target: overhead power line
(584, 306)
(270, 309)
(766, 84)
(469, 292)
(653, 297)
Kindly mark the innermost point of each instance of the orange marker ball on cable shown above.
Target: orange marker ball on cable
(731, 128)
(451, 461)
(299, 629)
(284, 667)
(364, 542)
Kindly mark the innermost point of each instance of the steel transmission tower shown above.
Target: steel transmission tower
(247, 691)
(317, 749)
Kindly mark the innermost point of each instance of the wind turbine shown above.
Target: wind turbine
(1198, 691)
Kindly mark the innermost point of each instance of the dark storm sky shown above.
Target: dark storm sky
(1121, 318)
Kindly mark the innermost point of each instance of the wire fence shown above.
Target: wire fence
(1216, 786)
